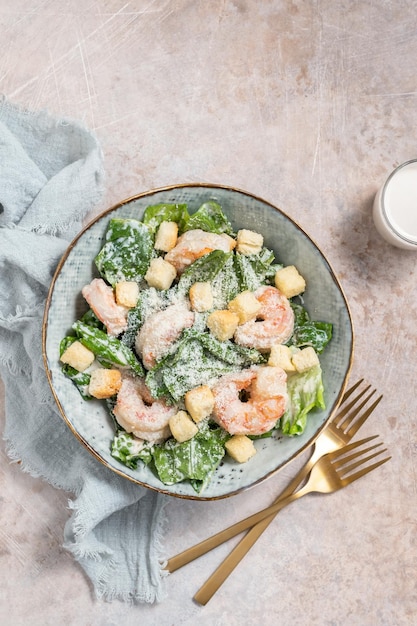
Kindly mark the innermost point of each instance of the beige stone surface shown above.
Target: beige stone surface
(309, 105)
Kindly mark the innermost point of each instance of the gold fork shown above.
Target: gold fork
(336, 434)
(331, 472)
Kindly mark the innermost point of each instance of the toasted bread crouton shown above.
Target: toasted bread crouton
(240, 448)
(78, 356)
(249, 242)
(281, 356)
(160, 274)
(127, 293)
(223, 324)
(201, 297)
(289, 281)
(304, 359)
(245, 305)
(104, 383)
(182, 426)
(199, 402)
(166, 237)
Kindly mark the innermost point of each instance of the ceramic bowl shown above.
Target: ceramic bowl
(324, 299)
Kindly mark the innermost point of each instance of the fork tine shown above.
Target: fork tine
(350, 479)
(351, 417)
(342, 451)
(364, 460)
(351, 390)
(361, 420)
(343, 412)
(342, 468)
(343, 458)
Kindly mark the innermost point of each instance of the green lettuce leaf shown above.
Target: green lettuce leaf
(210, 217)
(308, 332)
(80, 379)
(91, 319)
(204, 269)
(129, 450)
(226, 284)
(253, 270)
(305, 392)
(195, 459)
(108, 349)
(155, 214)
(230, 352)
(127, 252)
(190, 366)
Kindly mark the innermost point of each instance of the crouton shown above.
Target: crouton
(199, 402)
(127, 293)
(280, 356)
(78, 356)
(182, 426)
(166, 237)
(160, 274)
(104, 383)
(223, 324)
(289, 281)
(245, 305)
(249, 242)
(304, 359)
(240, 448)
(201, 297)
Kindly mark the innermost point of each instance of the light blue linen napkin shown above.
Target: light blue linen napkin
(51, 176)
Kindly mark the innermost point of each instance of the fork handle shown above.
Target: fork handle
(214, 582)
(218, 577)
(259, 526)
(208, 544)
(245, 544)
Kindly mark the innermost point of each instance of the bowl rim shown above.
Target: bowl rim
(48, 300)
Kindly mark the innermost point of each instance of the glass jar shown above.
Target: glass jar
(395, 207)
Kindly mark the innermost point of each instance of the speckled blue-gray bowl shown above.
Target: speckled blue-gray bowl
(324, 299)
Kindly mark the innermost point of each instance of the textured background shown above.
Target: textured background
(309, 105)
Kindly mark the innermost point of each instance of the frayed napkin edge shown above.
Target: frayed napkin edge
(103, 588)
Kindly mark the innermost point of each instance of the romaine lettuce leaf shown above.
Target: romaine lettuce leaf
(204, 269)
(305, 392)
(129, 450)
(91, 319)
(230, 352)
(253, 270)
(127, 252)
(196, 359)
(80, 379)
(109, 349)
(308, 332)
(155, 214)
(225, 285)
(209, 217)
(190, 366)
(195, 459)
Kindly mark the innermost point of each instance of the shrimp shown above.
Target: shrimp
(100, 296)
(196, 243)
(160, 330)
(265, 400)
(273, 324)
(138, 413)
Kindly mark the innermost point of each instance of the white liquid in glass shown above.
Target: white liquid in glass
(400, 201)
(395, 207)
